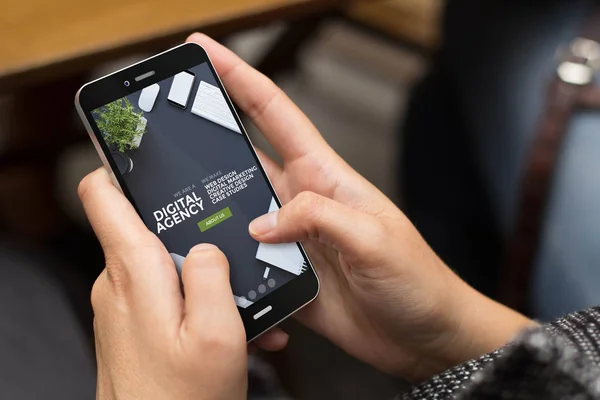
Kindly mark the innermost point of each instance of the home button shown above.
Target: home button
(262, 313)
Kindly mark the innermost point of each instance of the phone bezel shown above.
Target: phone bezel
(284, 301)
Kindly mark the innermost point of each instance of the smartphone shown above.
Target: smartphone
(193, 176)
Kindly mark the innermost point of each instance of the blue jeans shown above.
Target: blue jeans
(496, 64)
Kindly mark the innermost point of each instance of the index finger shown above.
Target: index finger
(114, 220)
(286, 128)
(137, 262)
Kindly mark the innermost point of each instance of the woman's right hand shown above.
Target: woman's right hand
(386, 298)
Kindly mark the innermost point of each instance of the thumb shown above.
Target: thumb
(208, 297)
(311, 216)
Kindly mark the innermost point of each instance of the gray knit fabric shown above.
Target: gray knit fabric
(557, 361)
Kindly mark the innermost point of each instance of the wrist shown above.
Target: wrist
(480, 326)
(464, 325)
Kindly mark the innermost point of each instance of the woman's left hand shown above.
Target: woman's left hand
(150, 343)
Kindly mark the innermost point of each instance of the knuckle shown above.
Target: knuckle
(260, 107)
(308, 207)
(308, 203)
(122, 258)
(144, 243)
(116, 274)
(109, 292)
(97, 296)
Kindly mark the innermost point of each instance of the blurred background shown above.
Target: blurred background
(454, 109)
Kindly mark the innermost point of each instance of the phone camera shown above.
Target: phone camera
(126, 83)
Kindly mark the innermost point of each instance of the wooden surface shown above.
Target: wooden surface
(45, 39)
(414, 21)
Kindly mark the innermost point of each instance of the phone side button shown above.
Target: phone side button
(262, 313)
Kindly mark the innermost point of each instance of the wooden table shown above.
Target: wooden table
(414, 22)
(44, 40)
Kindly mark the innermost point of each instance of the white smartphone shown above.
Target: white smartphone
(193, 176)
(181, 89)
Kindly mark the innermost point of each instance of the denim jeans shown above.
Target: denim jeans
(495, 65)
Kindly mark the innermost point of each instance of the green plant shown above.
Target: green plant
(119, 123)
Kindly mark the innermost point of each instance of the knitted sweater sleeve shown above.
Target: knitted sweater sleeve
(559, 360)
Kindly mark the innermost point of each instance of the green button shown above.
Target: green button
(215, 219)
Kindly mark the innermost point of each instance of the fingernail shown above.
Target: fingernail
(202, 247)
(264, 224)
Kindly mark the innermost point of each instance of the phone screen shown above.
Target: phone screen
(193, 177)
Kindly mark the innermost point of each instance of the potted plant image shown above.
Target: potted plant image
(123, 129)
